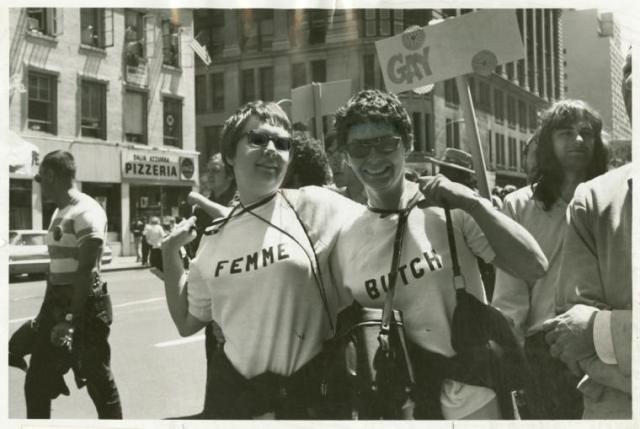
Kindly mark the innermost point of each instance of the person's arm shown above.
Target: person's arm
(89, 252)
(517, 252)
(512, 296)
(175, 279)
(213, 209)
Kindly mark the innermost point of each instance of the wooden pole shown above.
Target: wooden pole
(473, 135)
(317, 110)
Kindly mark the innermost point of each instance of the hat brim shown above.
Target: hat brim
(450, 165)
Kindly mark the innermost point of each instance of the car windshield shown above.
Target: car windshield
(30, 240)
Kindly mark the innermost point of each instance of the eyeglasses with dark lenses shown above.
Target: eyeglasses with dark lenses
(383, 145)
(259, 139)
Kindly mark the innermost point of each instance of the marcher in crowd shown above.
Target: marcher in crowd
(343, 177)
(570, 151)
(593, 335)
(71, 333)
(374, 130)
(309, 164)
(146, 248)
(261, 274)
(136, 230)
(154, 234)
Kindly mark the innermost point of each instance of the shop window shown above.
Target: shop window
(498, 105)
(298, 75)
(511, 111)
(317, 19)
(96, 27)
(108, 196)
(172, 113)
(201, 93)
(451, 95)
(319, 71)
(20, 192)
(257, 30)
(170, 43)
(248, 86)
(42, 102)
(135, 116)
(266, 83)
(217, 91)
(93, 112)
(46, 21)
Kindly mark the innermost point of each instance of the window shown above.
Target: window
(472, 88)
(513, 154)
(419, 17)
(453, 133)
(484, 96)
(266, 83)
(209, 27)
(201, 93)
(134, 37)
(217, 91)
(135, 116)
(523, 143)
(317, 19)
(500, 150)
(172, 114)
(369, 71)
(257, 29)
(428, 144)
(511, 111)
(382, 22)
(498, 105)
(42, 100)
(248, 86)
(96, 27)
(93, 113)
(298, 75)
(170, 43)
(533, 118)
(319, 71)
(212, 143)
(522, 115)
(451, 92)
(47, 21)
(20, 194)
(417, 131)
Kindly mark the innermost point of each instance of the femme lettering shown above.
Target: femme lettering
(253, 261)
(415, 268)
(404, 68)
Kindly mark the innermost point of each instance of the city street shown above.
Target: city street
(159, 374)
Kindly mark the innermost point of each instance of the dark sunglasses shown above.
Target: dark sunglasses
(260, 139)
(383, 145)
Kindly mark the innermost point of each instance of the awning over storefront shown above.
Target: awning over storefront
(23, 156)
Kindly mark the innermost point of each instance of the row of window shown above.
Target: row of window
(42, 111)
(508, 156)
(96, 30)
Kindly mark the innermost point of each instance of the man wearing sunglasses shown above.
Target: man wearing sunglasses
(73, 323)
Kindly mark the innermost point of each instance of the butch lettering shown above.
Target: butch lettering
(253, 261)
(406, 273)
(404, 68)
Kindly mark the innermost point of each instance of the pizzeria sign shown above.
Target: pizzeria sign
(157, 166)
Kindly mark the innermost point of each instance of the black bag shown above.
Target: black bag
(483, 340)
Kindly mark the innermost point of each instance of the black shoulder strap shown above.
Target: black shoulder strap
(458, 278)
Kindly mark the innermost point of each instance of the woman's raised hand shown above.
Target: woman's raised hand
(182, 234)
(440, 191)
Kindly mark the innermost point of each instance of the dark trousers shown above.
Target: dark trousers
(90, 360)
(551, 392)
(145, 250)
(155, 258)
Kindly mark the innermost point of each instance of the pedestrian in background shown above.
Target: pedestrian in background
(570, 151)
(73, 322)
(136, 230)
(144, 243)
(154, 234)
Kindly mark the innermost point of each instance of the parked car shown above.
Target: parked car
(28, 252)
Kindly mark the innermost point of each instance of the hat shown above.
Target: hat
(455, 158)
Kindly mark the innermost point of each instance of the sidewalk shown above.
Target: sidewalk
(120, 263)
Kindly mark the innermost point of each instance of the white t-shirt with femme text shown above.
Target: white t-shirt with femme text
(424, 288)
(257, 283)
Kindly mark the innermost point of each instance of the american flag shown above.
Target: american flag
(200, 51)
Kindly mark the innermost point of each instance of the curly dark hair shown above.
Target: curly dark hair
(232, 131)
(372, 105)
(549, 175)
(309, 164)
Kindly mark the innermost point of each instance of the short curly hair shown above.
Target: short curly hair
(372, 105)
(266, 112)
(309, 163)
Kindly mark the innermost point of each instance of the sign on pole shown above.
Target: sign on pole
(474, 42)
(331, 96)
